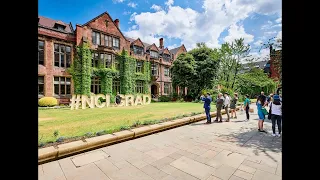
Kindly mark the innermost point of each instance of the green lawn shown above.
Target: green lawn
(72, 123)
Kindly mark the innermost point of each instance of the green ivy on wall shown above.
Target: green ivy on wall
(82, 72)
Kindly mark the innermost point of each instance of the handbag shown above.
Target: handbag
(264, 111)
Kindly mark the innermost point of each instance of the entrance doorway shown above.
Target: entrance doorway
(154, 91)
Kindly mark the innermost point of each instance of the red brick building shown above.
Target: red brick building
(56, 47)
(271, 66)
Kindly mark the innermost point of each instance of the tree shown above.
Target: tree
(182, 70)
(196, 69)
(240, 51)
(254, 81)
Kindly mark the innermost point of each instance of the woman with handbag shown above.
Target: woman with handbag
(262, 112)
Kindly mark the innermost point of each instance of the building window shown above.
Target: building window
(62, 86)
(139, 87)
(40, 85)
(117, 64)
(154, 54)
(107, 41)
(139, 66)
(41, 52)
(101, 59)
(95, 38)
(167, 88)
(154, 69)
(95, 85)
(116, 86)
(62, 55)
(166, 57)
(116, 43)
(138, 50)
(166, 71)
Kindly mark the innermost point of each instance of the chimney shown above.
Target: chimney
(270, 49)
(117, 23)
(161, 43)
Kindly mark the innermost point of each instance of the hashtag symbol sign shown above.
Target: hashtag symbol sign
(75, 101)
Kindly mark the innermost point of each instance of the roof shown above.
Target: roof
(261, 64)
(85, 24)
(131, 40)
(175, 50)
(49, 23)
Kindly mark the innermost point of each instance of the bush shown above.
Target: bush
(164, 98)
(48, 102)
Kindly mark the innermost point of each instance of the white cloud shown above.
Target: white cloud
(169, 2)
(126, 13)
(133, 16)
(156, 7)
(263, 55)
(117, 1)
(236, 32)
(132, 4)
(268, 25)
(279, 20)
(269, 33)
(279, 35)
(258, 43)
(191, 26)
(172, 46)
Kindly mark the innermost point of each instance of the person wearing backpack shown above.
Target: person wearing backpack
(276, 115)
(246, 105)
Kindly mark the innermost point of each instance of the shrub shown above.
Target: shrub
(48, 102)
(164, 98)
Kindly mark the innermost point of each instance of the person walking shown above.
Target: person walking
(276, 115)
(246, 105)
(226, 105)
(233, 104)
(269, 99)
(219, 104)
(260, 104)
(207, 101)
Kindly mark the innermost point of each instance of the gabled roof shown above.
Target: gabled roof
(151, 46)
(99, 17)
(162, 50)
(136, 40)
(50, 23)
(131, 40)
(175, 50)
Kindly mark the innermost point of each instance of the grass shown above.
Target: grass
(72, 123)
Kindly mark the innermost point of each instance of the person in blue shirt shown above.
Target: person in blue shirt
(207, 101)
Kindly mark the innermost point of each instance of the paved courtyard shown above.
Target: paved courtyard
(220, 151)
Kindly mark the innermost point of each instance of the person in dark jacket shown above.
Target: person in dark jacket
(207, 101)
(219, 104)
(118, 99)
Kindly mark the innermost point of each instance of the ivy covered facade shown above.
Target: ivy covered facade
(97, 58)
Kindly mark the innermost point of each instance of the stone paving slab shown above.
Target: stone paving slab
(230, 150)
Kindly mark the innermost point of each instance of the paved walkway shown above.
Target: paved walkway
(229, 151)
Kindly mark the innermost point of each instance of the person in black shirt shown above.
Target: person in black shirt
(118, 99)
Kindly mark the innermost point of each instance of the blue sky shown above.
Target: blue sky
(180, 21)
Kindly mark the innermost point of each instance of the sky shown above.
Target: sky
(180, 21)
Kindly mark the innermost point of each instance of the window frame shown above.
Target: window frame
(166, 57)
(135, 48)
(164, 71)
(95, 82)
(41, 95)
(94, 34)
(116, 84)
(139, 69)
(43, 51)
(168, 88)
(154, 69)
(113, 42)
(151, 51)
(96, 61)
(65, 54)
(59, 86)
(139, 89)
